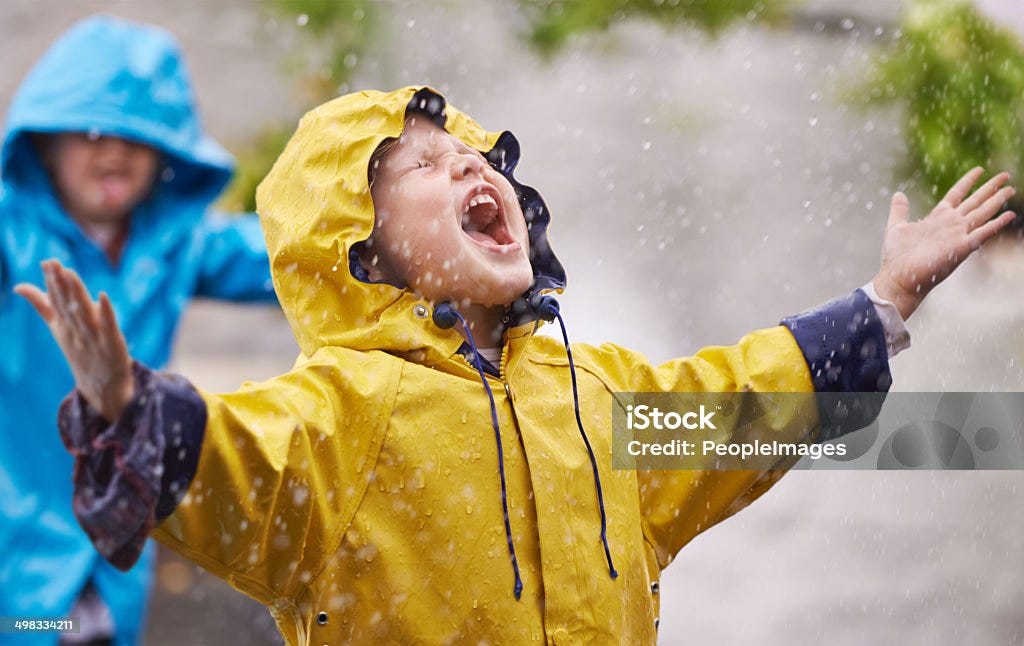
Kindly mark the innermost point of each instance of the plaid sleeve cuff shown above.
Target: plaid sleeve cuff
(132, 473)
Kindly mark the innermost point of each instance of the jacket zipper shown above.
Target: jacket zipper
(508, 393)
(504, 383)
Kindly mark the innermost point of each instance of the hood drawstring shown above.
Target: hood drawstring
(445, 316)
(547, 308)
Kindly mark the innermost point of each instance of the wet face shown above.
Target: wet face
(99, 180)
(446, 223)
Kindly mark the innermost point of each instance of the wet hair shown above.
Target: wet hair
(383, 150)
(43, 143)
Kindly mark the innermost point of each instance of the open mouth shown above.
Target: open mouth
(114, 184)
(483, 221)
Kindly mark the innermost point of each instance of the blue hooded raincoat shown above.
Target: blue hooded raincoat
(109, 77)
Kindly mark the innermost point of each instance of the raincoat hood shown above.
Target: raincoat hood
(315, 207)
(108, 76)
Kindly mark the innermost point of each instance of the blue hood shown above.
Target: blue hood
(113, 77)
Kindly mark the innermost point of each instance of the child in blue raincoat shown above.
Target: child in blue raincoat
(106, 166)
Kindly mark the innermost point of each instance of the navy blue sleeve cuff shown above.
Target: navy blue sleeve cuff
(843, 343)
(182, 416)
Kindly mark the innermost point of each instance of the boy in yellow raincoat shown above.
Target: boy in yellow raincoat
(432, 470)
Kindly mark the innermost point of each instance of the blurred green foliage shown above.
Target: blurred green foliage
(337, 33)
(553, 22)
(254, 160)
(332, 36)
(961, 80)
(959, 76)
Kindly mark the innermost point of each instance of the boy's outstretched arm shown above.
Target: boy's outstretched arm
(917, 256)
(87, 333)
(135, 434)
(842, 343)
(274, 469)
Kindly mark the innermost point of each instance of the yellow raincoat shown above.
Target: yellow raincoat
(357, 496)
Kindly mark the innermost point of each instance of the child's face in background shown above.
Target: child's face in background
(447, 224)
(99, 180)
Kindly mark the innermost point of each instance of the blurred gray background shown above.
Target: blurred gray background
(700, 188)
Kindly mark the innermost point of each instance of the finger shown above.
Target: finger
(58, 289)
(899, 209)
(108, 329)
(52, 289)
(108, 320)
(38, 299)
(61, 324)
(75, 316)
(986, 191)
(982, 234)
(990, 207)
(961, 189)
(83, 304)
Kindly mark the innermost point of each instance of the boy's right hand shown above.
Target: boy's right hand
(918, 255)
(87, 333)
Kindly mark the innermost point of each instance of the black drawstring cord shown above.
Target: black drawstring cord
(547, 308)
(445, 316)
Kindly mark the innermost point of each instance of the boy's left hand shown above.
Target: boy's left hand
(917, 256)
(87, 333)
